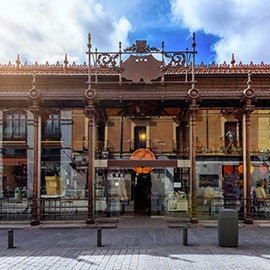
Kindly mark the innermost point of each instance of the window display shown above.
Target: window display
(178, 202)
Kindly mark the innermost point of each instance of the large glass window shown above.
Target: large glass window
(52, 127)
(14, 126)
(125, 192)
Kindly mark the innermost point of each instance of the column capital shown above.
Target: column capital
(35, 108)
(193, 107)
(248, 108)
(90, 110)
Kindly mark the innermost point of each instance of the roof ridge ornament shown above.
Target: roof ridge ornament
(18, 62)
(141, 47)
(232, 61)
(65, 62)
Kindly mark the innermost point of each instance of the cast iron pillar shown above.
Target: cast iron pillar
(90, 113)
(248, 110)
(193, 94)
(35, 109)
(193, 108)
(248, 95)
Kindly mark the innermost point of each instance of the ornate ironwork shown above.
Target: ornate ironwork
(34, 93)
(106, 60)
(176, 59)
(248, 93)
(113, 62)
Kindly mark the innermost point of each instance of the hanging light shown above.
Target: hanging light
(142, 135)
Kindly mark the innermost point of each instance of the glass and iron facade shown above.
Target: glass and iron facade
(138, 132)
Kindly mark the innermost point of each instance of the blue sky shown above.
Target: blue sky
(43, 31)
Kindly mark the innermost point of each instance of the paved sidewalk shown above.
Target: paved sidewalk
(134, 243)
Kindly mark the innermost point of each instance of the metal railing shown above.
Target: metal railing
(59, 208)
(15, 209)
(135, 144)
(63, 209)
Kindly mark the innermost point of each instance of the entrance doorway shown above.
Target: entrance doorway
(142, 202)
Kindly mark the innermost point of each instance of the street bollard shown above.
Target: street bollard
(185, 236)
(99, 237)
(10, 239)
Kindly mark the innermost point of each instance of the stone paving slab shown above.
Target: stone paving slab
(144, 243)
(189, 257)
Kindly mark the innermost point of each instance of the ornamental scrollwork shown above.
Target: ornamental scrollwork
(176, 59)
(249, 93)
(34, 93)
(107, 60)
(90, 93)
(193, 93)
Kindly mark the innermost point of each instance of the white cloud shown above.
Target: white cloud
(45, 30)
(241, 25)
(123, 27)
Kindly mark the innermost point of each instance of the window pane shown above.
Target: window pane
(15, 126)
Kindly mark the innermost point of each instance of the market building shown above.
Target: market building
(140, 131)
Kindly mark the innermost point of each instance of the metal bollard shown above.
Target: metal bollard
(99, 237)
(10, 239)
(185, 236)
